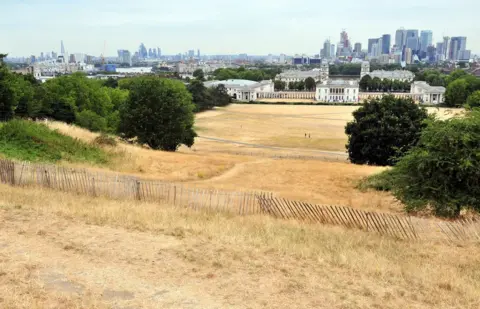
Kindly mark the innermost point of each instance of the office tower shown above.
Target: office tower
(400, 38)
(411, 40)
(326, 49)
(458, 45)
(142, 51)
(425, 40)
(375, 50)
(370, 44)
(282, 58)
(41, 56)
(159, 52)
(440, 51)
(386, 44)
(191, 53)
(431, 53)
(150, 53)
(124, 56)
(72, 59)
(198, 53)
(358, 48)
(62, 48)
(54, 55)
(446, 47)
(408, 55)
(332, 50)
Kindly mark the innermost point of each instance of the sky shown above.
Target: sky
(255, 27)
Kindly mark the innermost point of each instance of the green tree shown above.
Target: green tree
(198, 74)
(280, 85)
(300, 85)
(383, 130)
(375, 84)
(111, 83)
(201, 98)
(7, 94)
(457, 74)
(365, 82)
(456, 93)
(159, 112)
(91, 121)
(292, 86)
(219, 95)
(310, 84)
(443, 170)
(473, 100)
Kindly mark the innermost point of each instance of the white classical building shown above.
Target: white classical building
(401, 75)
(428, 94)
(244, 90)
(338, 91)
(318, 75)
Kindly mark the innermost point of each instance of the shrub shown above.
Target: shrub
(105, 140)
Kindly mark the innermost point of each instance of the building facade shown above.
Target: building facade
(428, 94)
(244, 90)
(338, 91)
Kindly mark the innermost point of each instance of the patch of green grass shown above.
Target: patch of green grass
(30, 141)
(379, 182)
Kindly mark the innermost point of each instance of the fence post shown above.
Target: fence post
(138, 194)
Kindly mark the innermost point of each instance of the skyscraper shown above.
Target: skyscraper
(400, 38)
(386, 44)
(446, 47)
(198, 53)
(332, 50)
(142, 51)
(411, 40)
(370, 44)
(159, 52)
(458, 46)
(62, 48)
(358, 47)
(326, 50)
(425, 40)
(408, 55)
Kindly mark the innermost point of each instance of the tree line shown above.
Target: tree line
(308, 84)
(376, 84)
(253, 74)
(157, 111)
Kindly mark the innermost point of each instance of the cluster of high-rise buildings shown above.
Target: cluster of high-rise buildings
(407, 46)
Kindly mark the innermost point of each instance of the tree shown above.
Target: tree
(200, 96)
(473, 100)
(198, 74)
(300, 85)
(219, 95)
(310, 84)
(292, 86)
(443, 170)
(365, 82)
(280, 85)
(7, 95)
(456, 93)
(383, 130)
(376, 84)
(111, 83)
(91, 121)
(159, 112)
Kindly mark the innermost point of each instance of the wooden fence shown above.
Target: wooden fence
(117, 186)
(397, 226)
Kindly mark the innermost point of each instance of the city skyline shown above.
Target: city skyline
(268, 27)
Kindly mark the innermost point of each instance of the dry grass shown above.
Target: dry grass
(171, 258)
(162, 165)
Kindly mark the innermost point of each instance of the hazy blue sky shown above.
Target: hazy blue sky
(222, 26)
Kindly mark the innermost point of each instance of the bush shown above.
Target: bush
(105, 140)
(30, 141)
(383, 181)
(90, 120)
(384, 130)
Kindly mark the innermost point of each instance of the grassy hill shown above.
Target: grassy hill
(30, 141)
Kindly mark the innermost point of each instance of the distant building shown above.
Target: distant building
(428, 94)
(281, 60)
(400, 38)
(358, 48)
(124, 57)
(326, 50)
(425, 40)
(337, 91)
(386, 44)
(244, 90)
(370, 45)
(458, 45)
(408, 55)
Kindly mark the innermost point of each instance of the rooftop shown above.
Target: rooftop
(339, 82)
(427, 88)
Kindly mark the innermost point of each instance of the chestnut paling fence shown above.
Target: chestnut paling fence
(117, 186)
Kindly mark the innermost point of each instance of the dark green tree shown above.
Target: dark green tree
(365, 82)
(473, 100)
(198, 74)
(456, 93)
(443, 171)
(111, 83)
(300, 85)
(7, 94)
(280, 85)
(219, 95)
(159, 112)
(310, 84)
(383, 130)
(200, 96)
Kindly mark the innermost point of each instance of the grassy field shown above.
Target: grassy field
(63, 251)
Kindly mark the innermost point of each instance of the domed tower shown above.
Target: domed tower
(324, 70)
(365, 69)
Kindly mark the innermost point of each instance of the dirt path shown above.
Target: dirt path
(237, 169)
